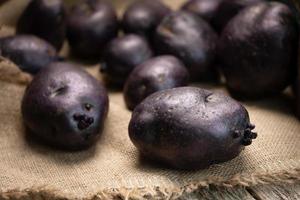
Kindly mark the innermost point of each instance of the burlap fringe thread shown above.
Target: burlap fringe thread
(11, 73)
(45, 193)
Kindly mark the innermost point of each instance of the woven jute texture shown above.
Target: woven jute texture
(113, 168)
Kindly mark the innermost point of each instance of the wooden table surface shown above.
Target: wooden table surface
(266, 192)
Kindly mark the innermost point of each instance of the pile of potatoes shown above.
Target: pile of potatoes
(153, 53)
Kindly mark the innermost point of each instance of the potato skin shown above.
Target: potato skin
(258, 50)
(192, 40)
(45, 19)
(28, 52)
(217, 12)
(229, 9)
(122, 55)
(158, 73)
(142, 17)
(206, 9)
(190, 128)
(65, 107)
(91, 25)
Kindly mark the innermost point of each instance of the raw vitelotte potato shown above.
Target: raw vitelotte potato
(159, 73)
(228, 9)
(217, 12)
(190, 128)
(206, 9)
(142, 17)
(90, 26)
(258, 50)
(65, 107)
(28, 52)
(192, 40)
(122, 55)
(45, 19)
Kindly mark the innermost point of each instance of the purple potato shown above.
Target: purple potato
(156, 74)
(206, 9)
(228, 9)
(192, 40)
(217, 12)
(65, 107)
(258, 50)
(190, 128)
(122, 55)
(45, 19)
(28, 52)
(142, 17)
(91, 25)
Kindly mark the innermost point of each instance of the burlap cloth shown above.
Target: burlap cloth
(113, 167)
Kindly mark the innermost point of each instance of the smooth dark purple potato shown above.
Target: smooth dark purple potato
(190, 128)
(192, 40)
(142, 17)
(217, 12)
(156, 74)
(65, 107)
(122, 55)
(228, 9)
(206, 9)
(258, 50)
(28, 52)
(91, 25)
(45, 19)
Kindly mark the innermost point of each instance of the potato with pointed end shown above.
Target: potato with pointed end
(45, 19)
(142, 17)
(28, 52)
(258, 50)
(122, 55)
(192, 40)
(65, 107)
(190, 128)
(156, 74)
(91, 25)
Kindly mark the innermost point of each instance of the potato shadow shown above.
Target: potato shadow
(70, 56)
(57, 154)
(149, 164)
(237, 165)
(113, 88)
(283, 103)
(86, 62)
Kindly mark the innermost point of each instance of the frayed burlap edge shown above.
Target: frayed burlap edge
(240, 180)
(11, 73)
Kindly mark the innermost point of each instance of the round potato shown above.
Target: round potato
(192, 40)
(28, 52)
(258, 50)
(142, 17)
(90, 26)
(45, 19)
(65, 107)
(158, 73)
(122, 55)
